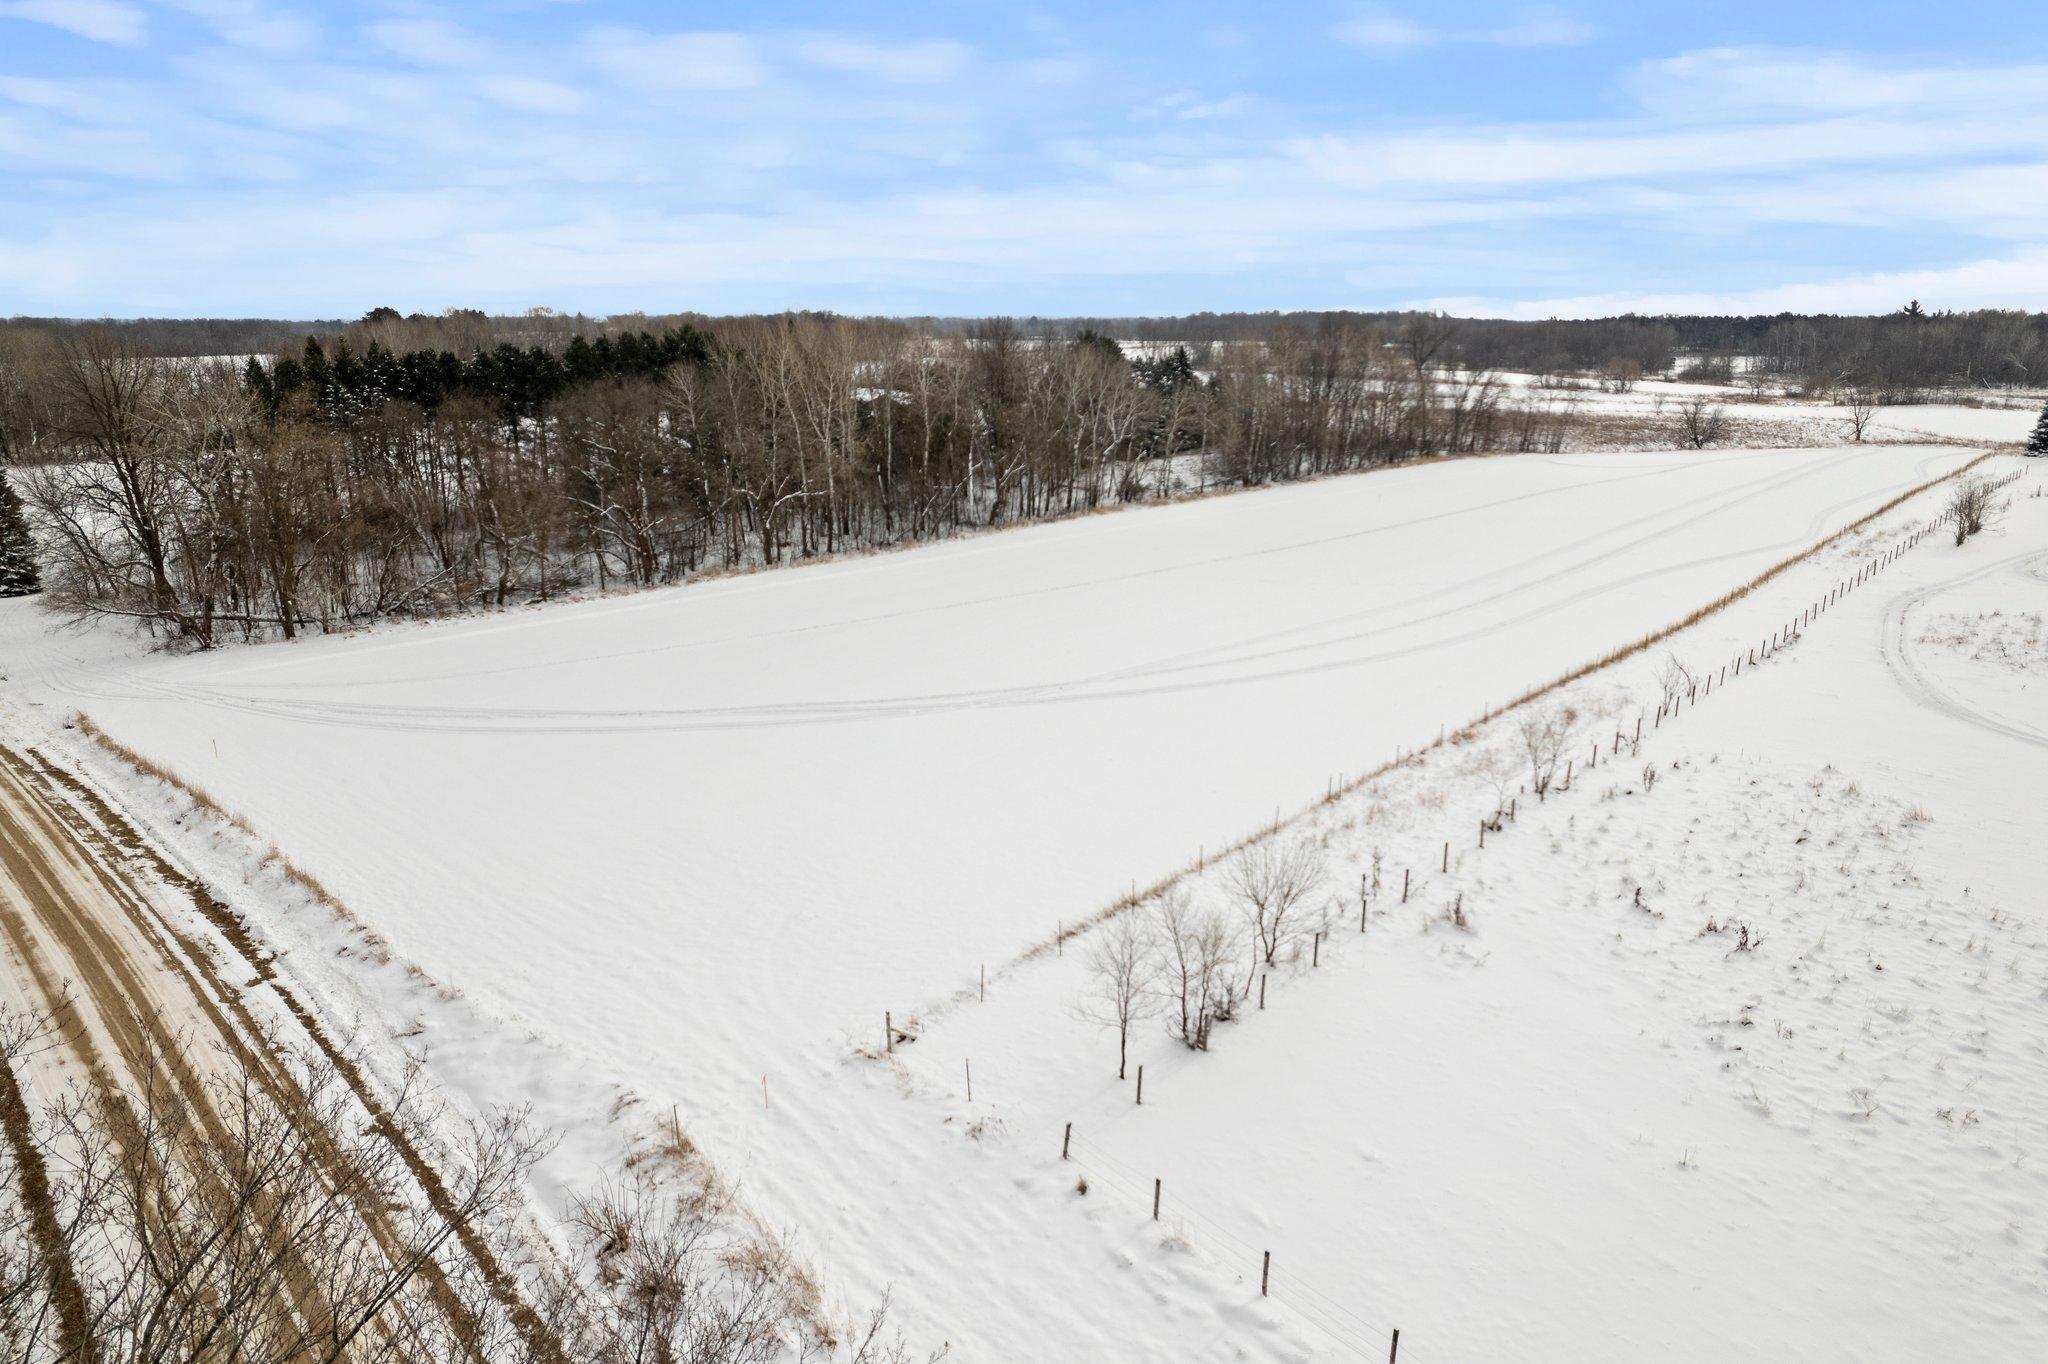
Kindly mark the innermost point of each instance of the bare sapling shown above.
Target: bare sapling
(1862, 402)
(1195, 949)
(1269, 882)
(1674, 679)
(1544, 735)
(1123, 969)
(1701, 423)
(1969, 507)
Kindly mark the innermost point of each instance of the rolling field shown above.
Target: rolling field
(700, 840)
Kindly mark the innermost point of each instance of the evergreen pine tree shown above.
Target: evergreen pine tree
(18, 575)
(2037, 444)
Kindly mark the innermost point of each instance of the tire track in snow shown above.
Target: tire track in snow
(1896, 645)
(1144, 680)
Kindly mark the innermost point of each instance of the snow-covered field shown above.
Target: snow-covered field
(1592, 1127)
(699, 841)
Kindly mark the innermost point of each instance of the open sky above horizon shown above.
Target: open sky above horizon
(276, 158)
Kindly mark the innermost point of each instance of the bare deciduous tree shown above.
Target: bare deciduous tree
(1122, 970)
(1544, 736)
(1970, 507)
(1270, 880)
(1674, 678)
(1196, 948)
(1701, 422)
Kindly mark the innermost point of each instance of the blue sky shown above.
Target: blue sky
(298, 159)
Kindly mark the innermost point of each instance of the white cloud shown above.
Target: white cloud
(1383, 31)
(1188, 106)
(677, 61)
(909, 63)
(259, 25)
(1724, 83)
(1533, 155)
(1386, 32)
(430, 42)
(103, 21)
(2019, 280)
(533, 95)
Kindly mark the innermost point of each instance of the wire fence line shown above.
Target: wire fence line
(1233, 1253)
(1204, 1236)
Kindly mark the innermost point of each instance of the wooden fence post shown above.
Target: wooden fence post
(1141, 1082)
(1395, 1350)
(1404, 885)
(1066, 1140)
(888, 1032)
(1447, 857)
(1265, 1273)
(1155, 1199)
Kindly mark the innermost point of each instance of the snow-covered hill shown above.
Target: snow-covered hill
(700, 841)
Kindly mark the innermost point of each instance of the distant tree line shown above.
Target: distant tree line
(350, 480)
(1912, 352)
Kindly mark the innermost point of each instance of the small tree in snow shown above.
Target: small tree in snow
(1122, 971)
(1544, 735)
(1269, 882)
(1862, 404)
(1674, 679)
(1700, 422)
(2037, 444)
(18, 574)
(1196, 948)
(1970, 505)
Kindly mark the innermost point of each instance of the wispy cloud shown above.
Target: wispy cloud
(2019, 280)
(1385, 31)
(912, 63)
(533, 94)
(430, 42)
(259, 25)
(103, 21)
(266, 155)
(677, 61)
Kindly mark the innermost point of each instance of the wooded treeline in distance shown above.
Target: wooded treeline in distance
(427, 464)
(1911, 349)
(216, 500)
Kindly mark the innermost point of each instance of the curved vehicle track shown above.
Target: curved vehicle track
(1916, 681)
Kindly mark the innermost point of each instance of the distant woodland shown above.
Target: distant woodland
(223, 480)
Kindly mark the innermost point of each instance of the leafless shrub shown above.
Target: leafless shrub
(1862, 403)
(1544, 735)
(1674, 679)
(1970, 507)
(1701, 422)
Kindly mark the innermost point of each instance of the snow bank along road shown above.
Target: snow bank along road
(705, 838)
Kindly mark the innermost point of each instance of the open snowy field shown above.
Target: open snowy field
(701, 840)
(1744, 1059)
(2005, 417)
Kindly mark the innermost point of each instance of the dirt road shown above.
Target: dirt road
(148, 979)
